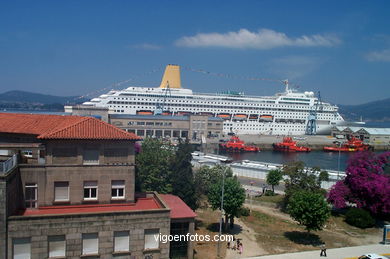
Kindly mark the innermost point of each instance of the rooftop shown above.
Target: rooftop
(61, 127)
(141, 204)
(178, 208)
(372, 131)
(158, 117)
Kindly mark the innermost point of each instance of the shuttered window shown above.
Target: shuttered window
(61, 191)
(90, 244)
(151, 239)
(22, 248)
(121, 241)
(57, 246)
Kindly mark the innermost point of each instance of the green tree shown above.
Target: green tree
(309, 209)
(183, 184)
(153, 166)
(206, 176)
(233, 199)
(301, 178)
(273, 178)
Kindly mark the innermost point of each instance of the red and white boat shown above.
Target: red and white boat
(352, 145)
(288, 145)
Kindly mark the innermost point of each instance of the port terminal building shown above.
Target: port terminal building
(197, 128)
(371, 136)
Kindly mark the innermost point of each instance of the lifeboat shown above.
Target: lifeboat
(144, 112)
(266, 117)
(253, 117)
(166, 113)
(288, 145)
(225, 116)
(207, 113)
(352, 145)
(240, 117)
(237, 145)
(181, 113)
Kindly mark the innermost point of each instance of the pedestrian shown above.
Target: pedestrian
(323, 250)
(241, 248)
(228, 244)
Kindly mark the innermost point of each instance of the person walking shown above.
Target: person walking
(241, 248)
(323, 250)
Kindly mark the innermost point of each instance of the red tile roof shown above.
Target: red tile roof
(178, 207)
(61, 127)
(141, 204)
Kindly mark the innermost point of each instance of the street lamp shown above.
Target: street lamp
(221, 219)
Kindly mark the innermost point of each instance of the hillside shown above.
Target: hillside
(372, 111)
(28, 100)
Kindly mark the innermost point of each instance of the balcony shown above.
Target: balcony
(8, 165)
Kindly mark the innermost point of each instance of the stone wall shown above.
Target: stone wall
(45, 176)
(38, 228)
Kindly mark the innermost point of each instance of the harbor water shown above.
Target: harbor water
(324, 160)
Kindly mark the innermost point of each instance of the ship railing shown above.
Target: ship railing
(8, 164)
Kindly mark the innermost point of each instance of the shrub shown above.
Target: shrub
(359, 218)
(269, 193)
(243, 211)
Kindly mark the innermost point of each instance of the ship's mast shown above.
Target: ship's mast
(285, 82)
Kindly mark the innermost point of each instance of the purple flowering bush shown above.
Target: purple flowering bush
(366, 184)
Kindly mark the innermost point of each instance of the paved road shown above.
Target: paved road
(335, 253)
(257, 184)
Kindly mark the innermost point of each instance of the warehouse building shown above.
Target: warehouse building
(372, 136)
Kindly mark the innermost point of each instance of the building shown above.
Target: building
(372, 136)
(193, 127)
(67, 191)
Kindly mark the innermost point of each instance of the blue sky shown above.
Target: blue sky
(341, 48)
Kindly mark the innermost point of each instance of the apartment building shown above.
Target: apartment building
(67, 190)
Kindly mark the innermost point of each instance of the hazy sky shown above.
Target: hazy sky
(341, 48)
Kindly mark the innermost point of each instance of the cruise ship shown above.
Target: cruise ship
(287, 113)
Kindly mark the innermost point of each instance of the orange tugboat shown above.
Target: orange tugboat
(288, 145)
(352, 145)
(235, 144)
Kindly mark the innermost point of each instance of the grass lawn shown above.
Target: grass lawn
(277, 234)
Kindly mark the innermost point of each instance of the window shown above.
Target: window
(57, 246)
(21, 248)
(90, 190)
(121, 241)
(90, 244)
(91, 157)
(118, 189)
(61, 191)
(31, 195)
(151, 240)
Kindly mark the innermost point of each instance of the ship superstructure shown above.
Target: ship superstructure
(285, 113)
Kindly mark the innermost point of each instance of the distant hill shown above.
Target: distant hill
(28, 100)
(372, 111)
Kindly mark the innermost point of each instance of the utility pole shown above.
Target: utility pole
(222, 211)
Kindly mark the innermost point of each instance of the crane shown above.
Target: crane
(311, 127)
(161, 106)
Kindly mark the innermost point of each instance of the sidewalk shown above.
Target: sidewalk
(335, 253)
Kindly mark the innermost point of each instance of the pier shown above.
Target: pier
(254, 169)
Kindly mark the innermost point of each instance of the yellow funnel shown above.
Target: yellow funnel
(171, 77)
